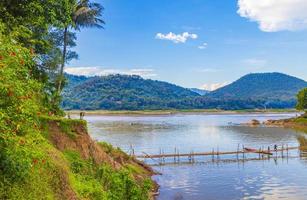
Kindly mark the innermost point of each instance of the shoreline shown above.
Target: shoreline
(174, 112)
(298, 123)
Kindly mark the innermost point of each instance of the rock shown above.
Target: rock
(254, 122)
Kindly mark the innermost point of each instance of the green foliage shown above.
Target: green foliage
(84, 14)
(87, 14)
(19, 106)
(301, 120)
(302, 100)
(26, 170)
(275, 89)
(31, 24)
(108, 148)
(121, 185)
(103, 182)
(66, 125)
(121, 92)
(30, 166)
(115, 153)
(29, 21)
(44, 26)
(27, 167)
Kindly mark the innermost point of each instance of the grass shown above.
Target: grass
(66, 125)
(92, 181)
(301, 120)
(115, 153)
(82, 177)
(298, 123)
(53, 174)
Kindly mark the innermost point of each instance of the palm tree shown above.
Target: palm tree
(84, 15)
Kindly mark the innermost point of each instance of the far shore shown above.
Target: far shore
(172, 112)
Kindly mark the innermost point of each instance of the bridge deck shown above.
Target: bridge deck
(214, 153)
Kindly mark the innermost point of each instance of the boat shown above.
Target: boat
(251, 150)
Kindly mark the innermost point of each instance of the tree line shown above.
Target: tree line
(302, 100)
(123, 92)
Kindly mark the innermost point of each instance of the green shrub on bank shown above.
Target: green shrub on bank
(103, 182)
(26, 168)
(66, 125)
(30, 166)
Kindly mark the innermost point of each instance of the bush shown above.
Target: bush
(25, 166)
(30, 167)
(103, 182)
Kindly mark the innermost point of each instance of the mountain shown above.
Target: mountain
(271, 87)
(121, 92)
(73, 80)
(199, 91)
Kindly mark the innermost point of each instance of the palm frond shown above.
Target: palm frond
(88, 14)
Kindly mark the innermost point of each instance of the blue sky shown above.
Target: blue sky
(196, 43)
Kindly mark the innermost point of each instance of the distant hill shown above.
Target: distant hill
(123, 92)
(199, 91)
(73, 81)
(120, 92)
(271, 87)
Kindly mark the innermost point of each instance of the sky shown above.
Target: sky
(195, 43)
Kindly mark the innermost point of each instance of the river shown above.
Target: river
(273, 178)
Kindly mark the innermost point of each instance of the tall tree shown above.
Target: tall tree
(31, 24)
(85, 14)
(50, 63)
(302, 100)
(28, 22)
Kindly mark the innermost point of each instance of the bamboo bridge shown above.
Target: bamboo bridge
(240, 153)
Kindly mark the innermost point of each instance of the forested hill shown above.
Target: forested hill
(120, 92)
(73, 81)
(123, 92)
(267, 86)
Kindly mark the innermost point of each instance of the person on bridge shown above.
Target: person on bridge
(82, 115)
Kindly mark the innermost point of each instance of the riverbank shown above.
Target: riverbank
(98, 167)
(183, 111)
(299, 123)
(69, 164)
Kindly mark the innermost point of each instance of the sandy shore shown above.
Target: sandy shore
(172, 112)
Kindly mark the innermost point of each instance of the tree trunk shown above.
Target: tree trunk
(63, 61)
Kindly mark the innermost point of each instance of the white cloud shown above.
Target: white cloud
(203, 46)
(275, 15)
(213, 86)
(180, 38)
(100, 71)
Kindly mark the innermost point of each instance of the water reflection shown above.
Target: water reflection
(262, 179)
(257, 136)
(254, 180)
(186, 132)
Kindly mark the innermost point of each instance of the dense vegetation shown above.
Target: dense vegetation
(23, 148)
(270, 87)
(302, 100)
(122, 92)
(32, 166)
